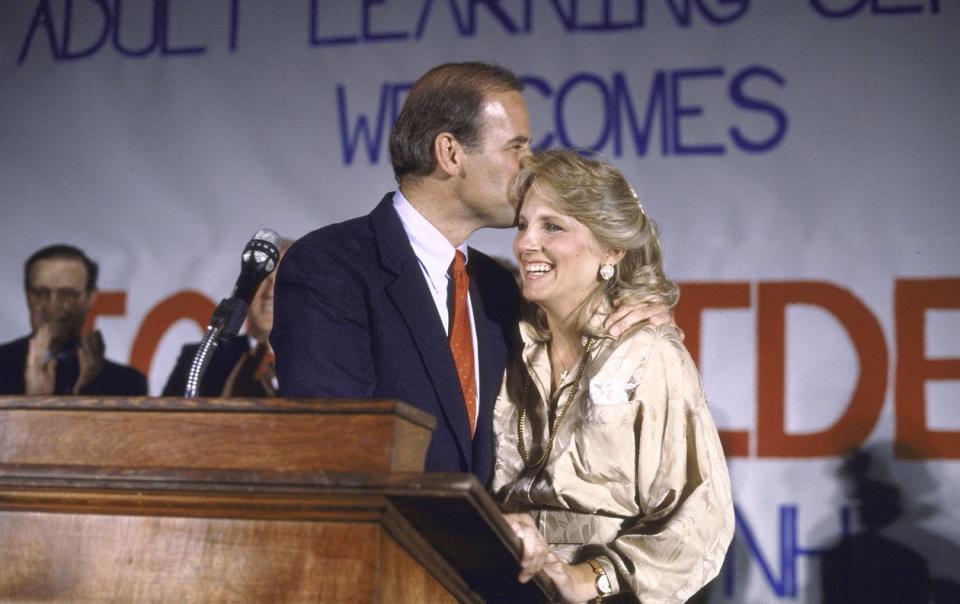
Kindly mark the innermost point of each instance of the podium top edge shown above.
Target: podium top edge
(220, 405)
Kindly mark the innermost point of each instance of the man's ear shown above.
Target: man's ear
(449, 154)
(92, 298)
(88, 317)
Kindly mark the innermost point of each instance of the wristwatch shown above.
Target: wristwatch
(602, 582)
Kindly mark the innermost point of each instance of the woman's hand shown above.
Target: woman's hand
(574, 582)
(534, 549)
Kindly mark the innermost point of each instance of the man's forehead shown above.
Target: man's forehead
(504, 104)
(59, 272)
(506, 111)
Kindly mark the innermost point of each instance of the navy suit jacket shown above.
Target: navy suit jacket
(353, 317)
(114, 379)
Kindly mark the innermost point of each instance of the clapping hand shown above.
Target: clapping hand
(40, 371)
(90, 358)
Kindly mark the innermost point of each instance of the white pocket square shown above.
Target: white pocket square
(610, 392)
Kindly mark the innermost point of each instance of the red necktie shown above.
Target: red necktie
(461, 339)
(266, 365)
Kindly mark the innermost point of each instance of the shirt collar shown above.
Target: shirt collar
(68, 349)
(431, 247)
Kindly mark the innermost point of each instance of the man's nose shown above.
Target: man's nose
(62, 300)
(267, 285)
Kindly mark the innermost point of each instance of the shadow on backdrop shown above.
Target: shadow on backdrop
(890, 558)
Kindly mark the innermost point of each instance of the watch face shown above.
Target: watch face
(603, 584)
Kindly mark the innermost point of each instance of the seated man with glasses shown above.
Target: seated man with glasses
(61, 286)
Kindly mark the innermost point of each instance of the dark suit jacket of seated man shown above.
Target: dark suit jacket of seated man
(223, 361)
(354, 318)
(113, 380)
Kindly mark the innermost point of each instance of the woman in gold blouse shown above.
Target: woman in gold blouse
(605, 446)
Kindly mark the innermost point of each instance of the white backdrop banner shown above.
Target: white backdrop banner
(800, 157)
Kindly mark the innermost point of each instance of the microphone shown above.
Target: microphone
(258, 260)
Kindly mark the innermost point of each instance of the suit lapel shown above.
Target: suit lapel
(492, 351)
(491, 355)
(413, 301)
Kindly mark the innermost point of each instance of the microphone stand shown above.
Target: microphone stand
(226, 322)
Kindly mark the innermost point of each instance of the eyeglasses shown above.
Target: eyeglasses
(64, 294)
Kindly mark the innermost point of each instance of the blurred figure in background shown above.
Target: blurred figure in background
(60, 282)
(242, 365)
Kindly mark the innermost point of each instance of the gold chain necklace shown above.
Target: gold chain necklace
(521, 417)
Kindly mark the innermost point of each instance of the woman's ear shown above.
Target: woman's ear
(449, 154)
(614, 256)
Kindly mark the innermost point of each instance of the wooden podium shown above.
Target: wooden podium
(232, 500)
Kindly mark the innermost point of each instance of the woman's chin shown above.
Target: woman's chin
(530, 293)
(536, 296)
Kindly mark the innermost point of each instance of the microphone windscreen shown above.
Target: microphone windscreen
(259, 253)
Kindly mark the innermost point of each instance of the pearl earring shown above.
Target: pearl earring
(606, 271)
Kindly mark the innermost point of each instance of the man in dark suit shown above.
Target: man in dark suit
(241, 365)
(362, 306)
(61, 286)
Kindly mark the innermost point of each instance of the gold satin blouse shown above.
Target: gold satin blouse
(636, 477)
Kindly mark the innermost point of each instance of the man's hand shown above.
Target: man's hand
(535, 549)
(626, 316)
(40, 371)
(90, 358)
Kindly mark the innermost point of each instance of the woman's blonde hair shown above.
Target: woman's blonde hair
(597, 195)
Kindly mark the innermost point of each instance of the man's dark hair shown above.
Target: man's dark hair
(61, 250)
(448, 98)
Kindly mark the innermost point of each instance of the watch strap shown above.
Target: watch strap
(600, 580)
